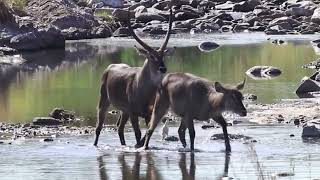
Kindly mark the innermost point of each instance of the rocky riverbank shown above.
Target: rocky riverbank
(194, 16)
(47, 24)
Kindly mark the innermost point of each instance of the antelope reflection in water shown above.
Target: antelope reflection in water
(152, 173)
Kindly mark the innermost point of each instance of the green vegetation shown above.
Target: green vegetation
(17, 4)
(104, 15)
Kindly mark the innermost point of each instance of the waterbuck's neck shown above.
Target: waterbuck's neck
(144, 78)
(217, 103)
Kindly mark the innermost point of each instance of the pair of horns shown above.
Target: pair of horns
(147, 47)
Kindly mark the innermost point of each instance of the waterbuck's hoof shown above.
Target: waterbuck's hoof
(138, 145)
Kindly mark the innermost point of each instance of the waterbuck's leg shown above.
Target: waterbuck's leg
(161, 106)
(182, 133)
(101, 111)
(135, 124)
(192, 133)
(123, 120)
(223, 124)
(147, 121)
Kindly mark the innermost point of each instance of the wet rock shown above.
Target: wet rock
(310, 131)
(308, 85)
(46, 121)
(299, 11)
(171, 138)
(208, 46)
(267, 72)
(313, 65)
(47, 140)
(291, 135)
(208, 126)
(231, 137)
(296, 122)
(251, 97)
(181, 16)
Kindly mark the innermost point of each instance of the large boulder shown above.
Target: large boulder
(111, 3)
(246, 6)
(316, 16)
(310, 132)
(38, 39)
(64, 14)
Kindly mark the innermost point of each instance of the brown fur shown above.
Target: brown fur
(192, 97)
(130, 89)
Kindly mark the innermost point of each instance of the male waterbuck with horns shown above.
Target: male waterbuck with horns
(192, 97)
(132, 89)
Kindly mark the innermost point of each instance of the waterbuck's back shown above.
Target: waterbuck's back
(188, 94)
(119, 81)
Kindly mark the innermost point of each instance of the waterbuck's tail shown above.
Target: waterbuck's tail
(102, 106)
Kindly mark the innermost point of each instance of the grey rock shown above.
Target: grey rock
(181, 16)
(246, 6)
(171, 138)
(298, 11)
(46, 121)
(121, 32)
(147, 17)
(122, 15)
(267, 72)
(316, 16)
(208, 46)
(111, 3)
(231, 137)
(310, 131)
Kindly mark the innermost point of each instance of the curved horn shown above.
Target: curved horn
(164, 45)
(133, 34)
(241, 85)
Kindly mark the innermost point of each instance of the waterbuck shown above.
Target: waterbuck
(132, 89)
(192, 97)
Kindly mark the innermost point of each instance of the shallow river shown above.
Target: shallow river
(70, 79)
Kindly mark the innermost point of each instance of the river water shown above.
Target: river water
(70, 79)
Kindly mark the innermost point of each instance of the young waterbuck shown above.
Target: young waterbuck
(192, 97)
(132, 89)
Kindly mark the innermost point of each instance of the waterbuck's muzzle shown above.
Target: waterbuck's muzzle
(163, 69)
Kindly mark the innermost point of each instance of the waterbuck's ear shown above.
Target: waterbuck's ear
(219, 87)
(241, 85)
(141, 51)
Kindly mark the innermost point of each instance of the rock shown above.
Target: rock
(111, 3)
(208, 126)
(231, 137)
(171, 138)
(121, 32)
(246, 6)
(316, 16)
(65, 15)
(122, 15)
(46, 121)
(147, 17)
(241, 27)
(61, 114)
(47, 140)
(291, 135)
(43, 38)
(313, 65)
(308, 85)
(298, 11)
(181, 16)
(310, 131)
(208, 46)
(8, 51)
(251, 97)
(263, 72)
